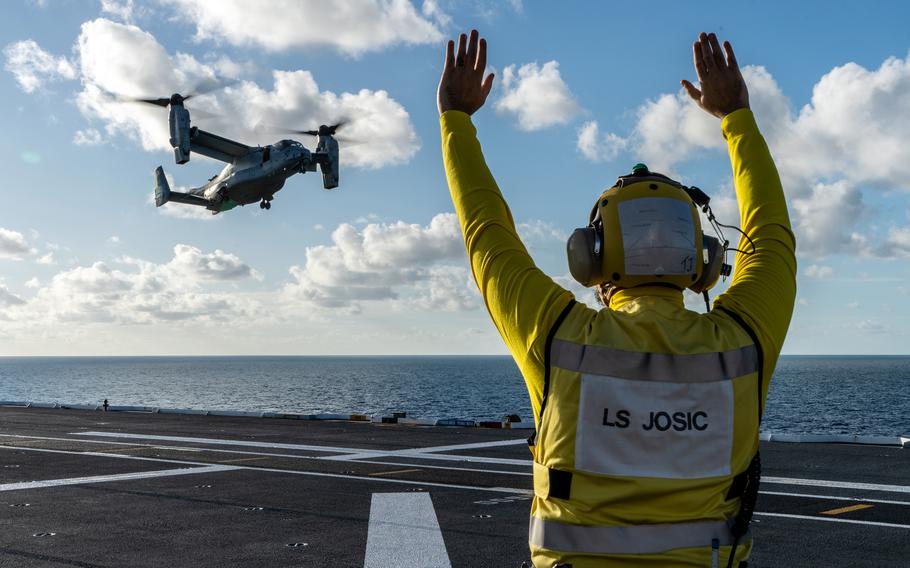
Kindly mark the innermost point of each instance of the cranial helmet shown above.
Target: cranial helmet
(646, 230)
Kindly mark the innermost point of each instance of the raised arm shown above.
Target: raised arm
(523, 302)
(764, 283)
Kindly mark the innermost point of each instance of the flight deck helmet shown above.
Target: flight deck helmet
(646, 230)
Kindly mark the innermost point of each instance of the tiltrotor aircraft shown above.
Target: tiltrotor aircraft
(252, 174)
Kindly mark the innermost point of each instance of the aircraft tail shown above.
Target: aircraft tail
(163, 193)
(162, 189)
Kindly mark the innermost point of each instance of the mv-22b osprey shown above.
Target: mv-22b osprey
(252, 174)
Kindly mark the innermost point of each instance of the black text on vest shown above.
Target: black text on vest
(621, 420)
(679, 421)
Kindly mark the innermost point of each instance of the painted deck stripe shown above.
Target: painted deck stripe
(271, 454)
(512, 490)
(837, 484)
(116, 477)
(834, 497)
(221, 442)
(834, 520)
(349, 454)
(849, 509)
(394, 472)
(404, 532)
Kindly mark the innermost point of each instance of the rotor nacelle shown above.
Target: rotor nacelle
(179, 123)
(327, 156)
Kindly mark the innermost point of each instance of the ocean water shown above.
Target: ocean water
(809, 394)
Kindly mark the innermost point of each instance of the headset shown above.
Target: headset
(656, 237)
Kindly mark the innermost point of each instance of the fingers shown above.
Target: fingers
(731, 57)
(450, 56)
(700, 70)
(692, 90)
(481, 56)
(471, 55)
(487, 86)
(705, 49)
(717, 54)
(462, 47)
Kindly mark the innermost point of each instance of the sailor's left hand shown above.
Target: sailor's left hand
(723, 89)
(462, 85)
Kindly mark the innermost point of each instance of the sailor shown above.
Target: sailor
(647, 413)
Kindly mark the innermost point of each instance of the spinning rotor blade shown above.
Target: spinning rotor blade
(324, 129)
(204, 87)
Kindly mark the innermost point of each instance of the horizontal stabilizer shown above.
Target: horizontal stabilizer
(163, 193)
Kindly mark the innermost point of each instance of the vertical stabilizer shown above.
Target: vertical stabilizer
(162, 189)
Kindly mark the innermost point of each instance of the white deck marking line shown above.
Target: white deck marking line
(404, 532)
(837, 484)
(834, 497)
(834, 520)
(513, 490)
(349, 454)
(222, 442)
(269, 454)
(115, 477)
(412, 454)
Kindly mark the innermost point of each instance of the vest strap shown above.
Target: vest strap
(550, 483)
(626, 539)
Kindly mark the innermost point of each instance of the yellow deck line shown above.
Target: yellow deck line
(395, 471)
(243, 460)
(849, 509)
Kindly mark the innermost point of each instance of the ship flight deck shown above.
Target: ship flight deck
(109, 489)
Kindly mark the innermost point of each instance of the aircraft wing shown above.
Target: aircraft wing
(216, 147)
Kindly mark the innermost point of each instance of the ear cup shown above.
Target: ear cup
(711, 271)
(585, 254)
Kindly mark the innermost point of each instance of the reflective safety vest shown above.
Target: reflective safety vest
(640, 456)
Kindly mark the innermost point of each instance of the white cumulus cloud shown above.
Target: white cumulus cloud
(599, 147)
(386, 262)
(87, 137)
(536, 96)
(132, 290)
(13, 245)
(32, 67)
(819, 271)
(350, 26)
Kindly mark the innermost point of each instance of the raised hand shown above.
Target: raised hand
(723, 89)
(462, 85)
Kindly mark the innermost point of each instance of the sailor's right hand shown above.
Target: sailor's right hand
(723, 89)
(462, 85)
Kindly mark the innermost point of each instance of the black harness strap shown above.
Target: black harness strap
(758, 348)
(532, 439)
(745, 484)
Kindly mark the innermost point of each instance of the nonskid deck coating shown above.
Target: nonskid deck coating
(155, 490)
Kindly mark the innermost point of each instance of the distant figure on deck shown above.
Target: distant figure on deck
(104, 405)
(647, 413)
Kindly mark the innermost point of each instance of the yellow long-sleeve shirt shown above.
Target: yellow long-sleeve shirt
(524, 303)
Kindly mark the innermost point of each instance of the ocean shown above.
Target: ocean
(866, 395)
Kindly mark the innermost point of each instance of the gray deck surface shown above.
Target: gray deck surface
(220, 491)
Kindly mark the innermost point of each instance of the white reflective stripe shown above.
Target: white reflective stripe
(643, 366)
(635, 539)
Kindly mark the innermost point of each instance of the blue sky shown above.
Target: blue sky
(89, 266)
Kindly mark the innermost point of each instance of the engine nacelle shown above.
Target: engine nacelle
(328, 163)
(179, 121)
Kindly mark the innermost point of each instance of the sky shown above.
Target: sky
(89, 266)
